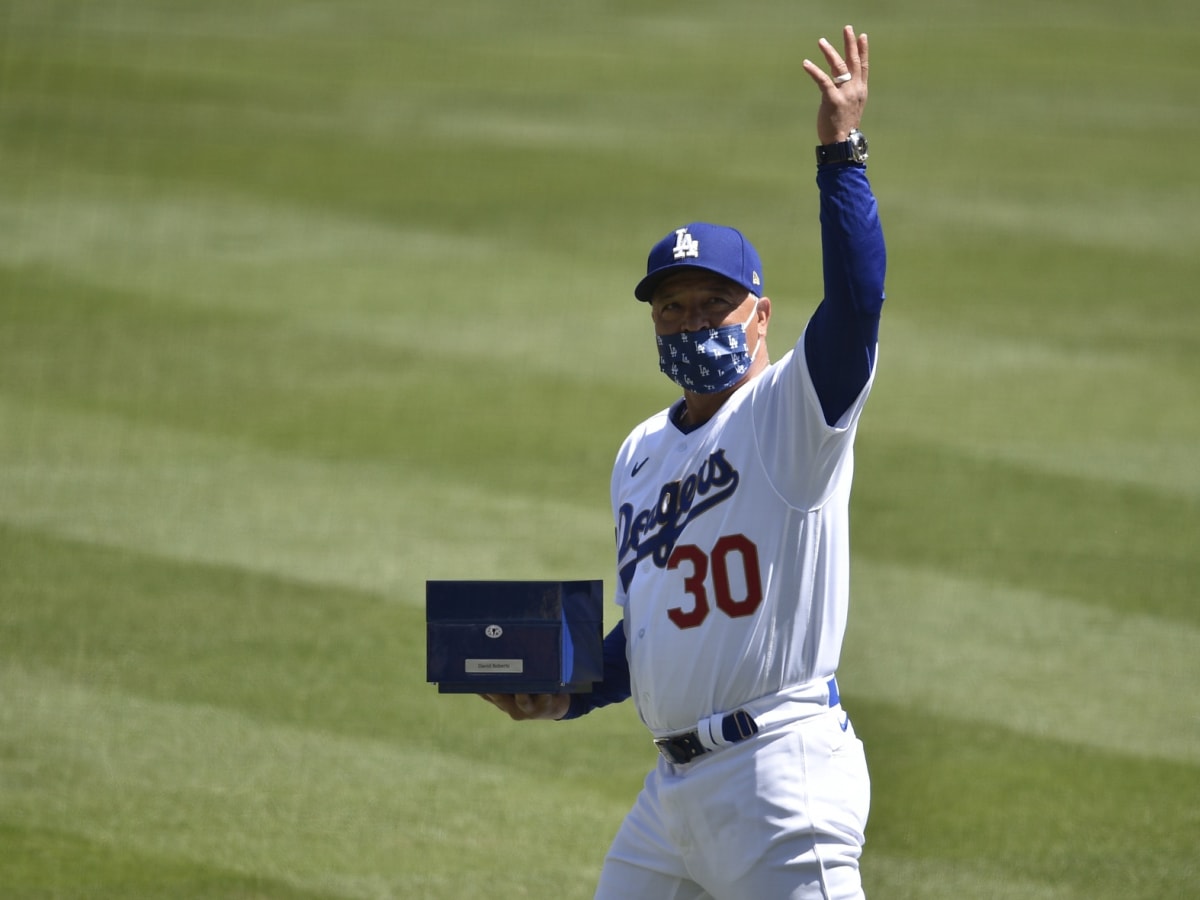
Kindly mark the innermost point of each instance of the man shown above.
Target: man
(731, 509)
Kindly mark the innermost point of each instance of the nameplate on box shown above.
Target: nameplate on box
(496, 666)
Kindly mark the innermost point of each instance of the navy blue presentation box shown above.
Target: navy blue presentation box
(514, 637)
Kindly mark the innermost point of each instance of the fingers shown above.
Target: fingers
(843, 88)
(850, 43)
(838, 67)
(506, 703)
(817, 74)
(856, 50)
(520, 707)
(516, 706)
(842, 69)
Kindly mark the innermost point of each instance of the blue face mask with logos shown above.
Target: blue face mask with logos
(710, 360)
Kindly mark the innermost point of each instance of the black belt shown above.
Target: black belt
(737, 726)
(683, 748)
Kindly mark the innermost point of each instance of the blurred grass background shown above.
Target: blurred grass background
(303, 304)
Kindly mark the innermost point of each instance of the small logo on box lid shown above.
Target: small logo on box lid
(493, 631)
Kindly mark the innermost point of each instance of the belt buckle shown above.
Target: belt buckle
(667, 748)
(681, 749)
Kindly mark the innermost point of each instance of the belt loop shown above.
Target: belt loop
(708, 730)
(834, 697)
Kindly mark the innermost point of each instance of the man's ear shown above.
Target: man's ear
(763, 316)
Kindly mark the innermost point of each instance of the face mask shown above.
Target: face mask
(707, 361)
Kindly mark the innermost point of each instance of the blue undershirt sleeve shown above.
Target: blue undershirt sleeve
(842, 334)
(615, 686)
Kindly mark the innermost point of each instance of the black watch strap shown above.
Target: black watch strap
(834, 153)
(853, 149)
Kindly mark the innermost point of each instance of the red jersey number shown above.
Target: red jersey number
(728, 548)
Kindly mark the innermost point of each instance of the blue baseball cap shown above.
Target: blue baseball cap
(701, 245)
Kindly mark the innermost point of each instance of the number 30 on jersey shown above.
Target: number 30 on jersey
(730, 550)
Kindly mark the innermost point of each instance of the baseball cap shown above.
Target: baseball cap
(702, 245)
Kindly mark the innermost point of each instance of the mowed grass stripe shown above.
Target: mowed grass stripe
(370, 526)
(336, 281)
(328, 814)
(228, 250)
(50, 865)
(1029, 661)
(902, 878)
(271, 648)
(274, 648)
(1095, 219)
(363, 378)
(1098, 407)
(1106, 544)
(965, 809)
(385, 131)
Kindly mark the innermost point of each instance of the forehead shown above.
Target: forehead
(693, 281)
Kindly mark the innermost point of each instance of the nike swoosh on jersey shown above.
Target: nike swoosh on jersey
(637, 467)
(845, 723)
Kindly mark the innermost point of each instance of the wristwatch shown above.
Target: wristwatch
(853, 149)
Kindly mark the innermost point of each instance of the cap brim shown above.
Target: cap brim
(647, 286)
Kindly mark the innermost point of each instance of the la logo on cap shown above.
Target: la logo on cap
(685, 245)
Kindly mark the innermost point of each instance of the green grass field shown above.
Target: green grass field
(303, 304)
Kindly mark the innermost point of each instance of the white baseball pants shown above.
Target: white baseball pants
(779, 816)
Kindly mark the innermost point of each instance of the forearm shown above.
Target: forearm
(840, 341)
(615, 686)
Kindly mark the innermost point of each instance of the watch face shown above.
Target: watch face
(858, 146)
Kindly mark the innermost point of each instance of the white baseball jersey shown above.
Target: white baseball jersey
(733, 548)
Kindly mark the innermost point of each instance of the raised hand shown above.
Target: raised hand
(843, 89)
